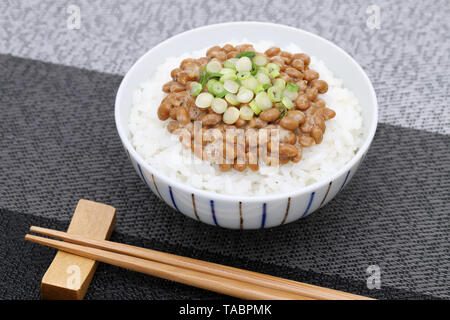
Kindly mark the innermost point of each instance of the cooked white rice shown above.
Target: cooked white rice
(162, 151)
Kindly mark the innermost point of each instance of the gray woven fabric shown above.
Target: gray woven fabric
(59, 144)
(407, 58)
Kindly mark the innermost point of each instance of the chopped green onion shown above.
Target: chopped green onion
(213, 75)
(263, 69)
(282, 109)
(249, 54)
(292, 87)
(213, 66)
(203, 77)
(244, 64)
(262, 78)
(272, 67)
(228, 76)
(231, 115)
(232, 99)
(251, 83)
(202, 71)
(216, 88)
(254, 69)
(255, 107)
(260, 60)
(266, 86)
(210, 84)
(274, 94)
(274, 74)
(279, 83)
(204, 100)
(291, 95)
(287, 102)
(226, 71)
(231, 63)
(219, 105)
(196, 88)
(263, 101)
(242, 75)
(231, 86)
(222, 94)
(258, 88)
(246, 113)
(244, 95)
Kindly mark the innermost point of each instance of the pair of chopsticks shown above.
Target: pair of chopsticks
(206, 275)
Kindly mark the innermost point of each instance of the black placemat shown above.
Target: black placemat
(23, 268)
(58, 144)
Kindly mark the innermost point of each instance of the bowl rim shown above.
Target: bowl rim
(258, 198)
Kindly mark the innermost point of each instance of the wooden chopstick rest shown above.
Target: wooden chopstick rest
(68, 277)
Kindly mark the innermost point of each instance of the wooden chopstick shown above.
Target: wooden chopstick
(210, 282)
(293, 287)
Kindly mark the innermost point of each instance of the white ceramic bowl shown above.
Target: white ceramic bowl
(247, 212)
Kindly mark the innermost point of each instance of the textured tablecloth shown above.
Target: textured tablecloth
(58, 144)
